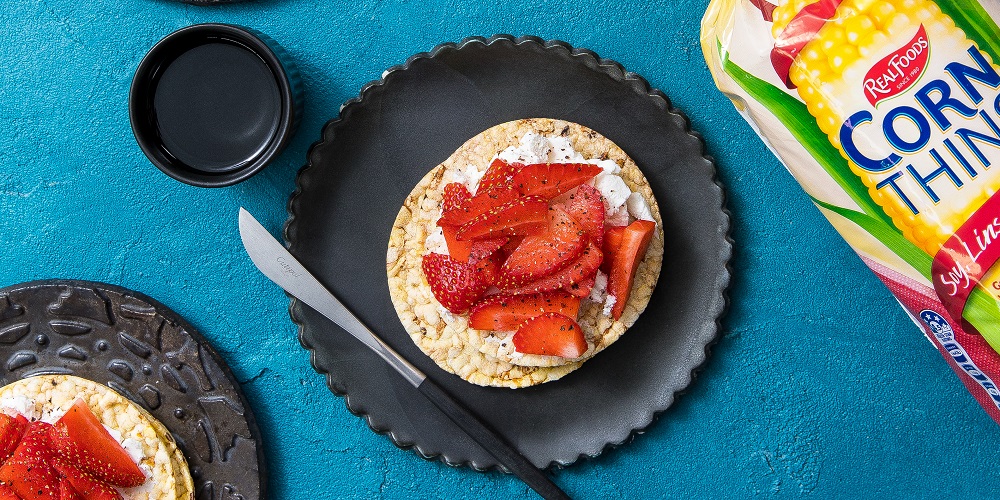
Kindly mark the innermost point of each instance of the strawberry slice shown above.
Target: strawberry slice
(520, 216)
(543, 254)
(576, 271)
(612, 240)
(549, 180)
(587, 206)
(7, 493)
(499, 176)
(479, 204)
(488, 269)
(12, 429)
(66, 491)
(582, 289)
(457, 249)
(506, 312)
(482, 249)
(630, 253)
(551, 334)
(456, 285)
(88, 486)
(79, 438)
(27, 471)
(455, 195)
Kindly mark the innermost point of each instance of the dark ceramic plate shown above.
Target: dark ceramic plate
(146, 352)
(370, 158)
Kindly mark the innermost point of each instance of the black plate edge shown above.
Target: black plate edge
(619, 72)
(194, 333)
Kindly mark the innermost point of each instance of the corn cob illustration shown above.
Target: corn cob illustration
(928, 167)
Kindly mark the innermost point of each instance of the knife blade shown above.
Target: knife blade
(274, 260)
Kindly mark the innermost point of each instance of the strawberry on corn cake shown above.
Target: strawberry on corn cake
(528, 251)
(64, 437)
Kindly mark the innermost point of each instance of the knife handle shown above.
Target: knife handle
(492, 442)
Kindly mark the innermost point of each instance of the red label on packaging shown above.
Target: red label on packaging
(966, 257)
(898, 71)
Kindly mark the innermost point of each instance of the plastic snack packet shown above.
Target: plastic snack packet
(887, 112)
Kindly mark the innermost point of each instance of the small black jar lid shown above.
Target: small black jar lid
(212, 104)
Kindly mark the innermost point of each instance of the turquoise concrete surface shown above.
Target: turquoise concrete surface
(820, 386)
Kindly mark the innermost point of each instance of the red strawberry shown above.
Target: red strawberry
(456, 285)
(587, 206)
(457, 249)
(612, 240)
(479, 204)
(512, 243)
(506, 313)
(66, 491)
(12, 429)
(7, 493)
(79, 438)
(581, 289)
(27, 471)
(499, 176)
(520, 216)
(542, 254)
(576, 271)
(455, 195)
(630, 253)
(549, 180)
(551, 334)
(488, 269)
(482, 249)
(89, 487)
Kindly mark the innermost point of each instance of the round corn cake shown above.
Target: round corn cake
(167, 470)
(485, 357)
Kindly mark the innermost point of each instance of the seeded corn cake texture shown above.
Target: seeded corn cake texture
(483, 357)
(55, 394)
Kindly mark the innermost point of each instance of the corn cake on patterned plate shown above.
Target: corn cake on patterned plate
(399, 128)
(143, 351)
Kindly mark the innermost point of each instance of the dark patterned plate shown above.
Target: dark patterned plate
(143, 350)
(402, 126)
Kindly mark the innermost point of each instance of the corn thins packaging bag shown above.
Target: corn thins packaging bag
(887, 112)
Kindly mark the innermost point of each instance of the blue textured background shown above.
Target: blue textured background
(820, 386)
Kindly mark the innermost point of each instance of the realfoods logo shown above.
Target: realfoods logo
(896, 72)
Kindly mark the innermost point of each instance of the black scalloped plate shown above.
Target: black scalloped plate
(370, 158)
(146, 352)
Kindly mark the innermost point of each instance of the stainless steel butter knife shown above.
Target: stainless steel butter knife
(271, 257)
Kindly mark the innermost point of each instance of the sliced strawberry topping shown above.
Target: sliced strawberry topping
(488, 269)
(7, 493)
(626, 260)
(458, 249)
(479, 204)
(482, 249)
(456, 285)
(66, 491)
(520, 216)
(542, 254)
(512, 243)
(587, 206)
(12, 429)
(583, 288)
(88, 486)
(28, 471)
(506, 313)
(499, 176)
(551, 334)
(79, 438)
(549, 180)
(576, 271)
(455, 195)
(612, 240)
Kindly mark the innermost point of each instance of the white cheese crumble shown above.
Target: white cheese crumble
(613, 189)
(20, 405)
(609, 303)
(638, 207)
(600, 291)
(435, 242)
(616, 217)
